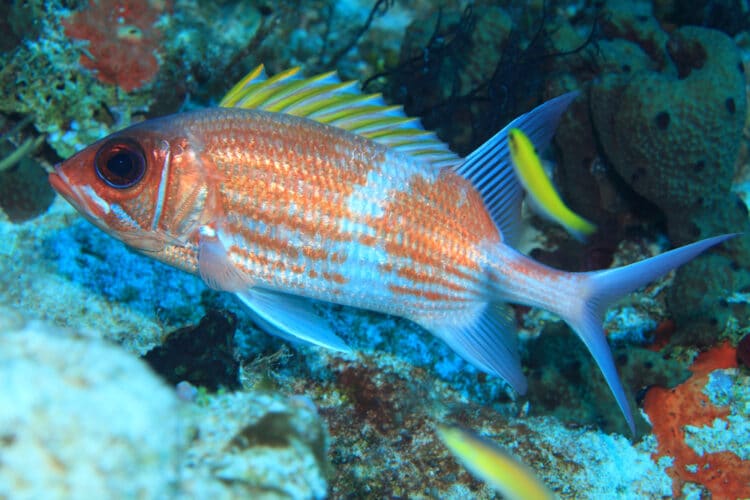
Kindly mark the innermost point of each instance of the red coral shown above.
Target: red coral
(724, 474)
(123, 39)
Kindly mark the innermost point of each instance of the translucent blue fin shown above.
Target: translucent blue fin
(291, 317)
(214, 265)
(487, 341)
(490, 170)
(602, 288)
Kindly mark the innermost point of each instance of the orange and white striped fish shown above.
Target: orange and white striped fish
(297, 189)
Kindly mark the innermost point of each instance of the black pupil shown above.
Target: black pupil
(120, 163)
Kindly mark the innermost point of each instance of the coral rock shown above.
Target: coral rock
(82, 419)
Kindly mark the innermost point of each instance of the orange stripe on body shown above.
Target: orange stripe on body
(254, 238)
(447, 223)
(426, 294)
(335, 277)
(314, 253)
(368, 240)
(425, 278)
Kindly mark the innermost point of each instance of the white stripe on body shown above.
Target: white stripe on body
(162, 190)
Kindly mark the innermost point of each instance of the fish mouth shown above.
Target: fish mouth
(60, 184)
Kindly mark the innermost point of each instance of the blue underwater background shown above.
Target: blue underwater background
(125, 378)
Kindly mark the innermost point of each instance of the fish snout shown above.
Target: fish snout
(59, 183)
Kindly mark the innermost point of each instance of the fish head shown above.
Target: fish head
(145, 185)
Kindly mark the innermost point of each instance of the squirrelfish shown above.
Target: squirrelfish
(542, 193)
(491, 464)
(296, 190)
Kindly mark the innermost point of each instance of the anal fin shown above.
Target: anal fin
(291, 317)
(488, 342)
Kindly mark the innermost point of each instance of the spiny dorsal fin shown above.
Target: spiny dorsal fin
(326, 99)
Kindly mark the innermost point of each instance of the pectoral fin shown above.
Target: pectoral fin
(291, 317)
(214, 265)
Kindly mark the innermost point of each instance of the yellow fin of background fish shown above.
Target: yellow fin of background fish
(488, 462)
(539, 187)
(326, 99)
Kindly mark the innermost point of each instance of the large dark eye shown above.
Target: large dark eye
(120, 163)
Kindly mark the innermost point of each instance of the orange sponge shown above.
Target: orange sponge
(724, 474)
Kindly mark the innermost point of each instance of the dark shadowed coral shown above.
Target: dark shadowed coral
(564, 380)
(24, 190)
(730, 16)
(201, 354)
(467, 73)
(698, 298)
(743, 351)
(663, 120)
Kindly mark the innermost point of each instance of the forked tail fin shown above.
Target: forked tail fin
(602, 288)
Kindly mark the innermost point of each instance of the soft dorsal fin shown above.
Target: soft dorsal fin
(326, 99)
(490, 170)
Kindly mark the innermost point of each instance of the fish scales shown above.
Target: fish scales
(370, 211)
(294, 192)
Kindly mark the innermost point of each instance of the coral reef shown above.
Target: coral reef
(698, 299)
(729, 16)
(42, 77)
(445, 58)
(743, 351)
(468, 70)
(379, 403)
(653, 142)
(94, 420)
(665, 114)
(24, 190)
(104, 285)
(647, 149)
